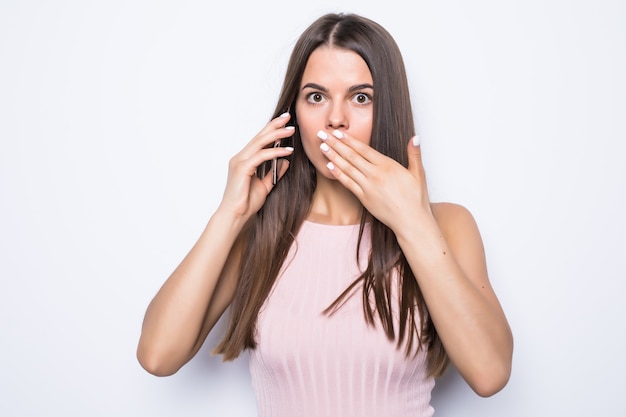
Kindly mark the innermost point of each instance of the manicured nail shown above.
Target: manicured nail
(322, 135)
(416, 140)
(290, 127)
(289, 148)
(337, 134)
(285, 114)
(324, 147)
(330, 166)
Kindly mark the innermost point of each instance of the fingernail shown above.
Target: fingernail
(285, 114)
(338, 134)
(290, 127)
(322, 135)
(324, 147)
(289, 148)
(416, 140)
(330, 166)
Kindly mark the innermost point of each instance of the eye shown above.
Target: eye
(362, 98)
(315, 98)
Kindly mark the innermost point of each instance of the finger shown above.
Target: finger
(282, 165)
(347, 181)
(354, 152)
(346, 165)
(250, 163)
(278, 121)
(269, 154)
(359, 147)
(266, 138)
(414, 151)
(275, 124)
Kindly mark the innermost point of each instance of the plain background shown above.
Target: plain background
(117, 120)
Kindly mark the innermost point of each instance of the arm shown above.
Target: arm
(445, 252)
(444, 249)
(194, 297)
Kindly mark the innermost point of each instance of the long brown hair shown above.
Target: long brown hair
(273, 230)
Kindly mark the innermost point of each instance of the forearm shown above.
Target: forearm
(177, 317)
(464, 309)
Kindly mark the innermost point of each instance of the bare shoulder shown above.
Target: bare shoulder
(451, 216)
(457, 225)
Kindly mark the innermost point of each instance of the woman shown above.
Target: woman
(352, 289)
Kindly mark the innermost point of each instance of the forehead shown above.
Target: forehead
(330, 66)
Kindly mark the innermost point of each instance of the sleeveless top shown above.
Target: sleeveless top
(311, 364)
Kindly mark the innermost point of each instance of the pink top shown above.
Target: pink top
(308, 364)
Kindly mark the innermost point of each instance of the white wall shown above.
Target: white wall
(117, 119)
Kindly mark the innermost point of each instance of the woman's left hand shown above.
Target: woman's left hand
(448, 261)
(389, 191)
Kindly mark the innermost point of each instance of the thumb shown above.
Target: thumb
(283, 165)
(414, 151)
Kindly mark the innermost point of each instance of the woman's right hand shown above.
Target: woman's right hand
(200, 289)
(245, 192)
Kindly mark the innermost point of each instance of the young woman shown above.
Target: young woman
(351, 289)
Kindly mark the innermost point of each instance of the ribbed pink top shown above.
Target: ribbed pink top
(308, 364)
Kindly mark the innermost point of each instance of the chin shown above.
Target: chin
(325, 173)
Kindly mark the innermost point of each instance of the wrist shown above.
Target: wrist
(226, 218)
(419, 228)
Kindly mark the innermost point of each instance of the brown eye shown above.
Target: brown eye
(361, 98)
(315, 98)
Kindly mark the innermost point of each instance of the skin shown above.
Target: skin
(440, 240)
(336, 93)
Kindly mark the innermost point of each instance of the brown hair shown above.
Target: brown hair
(275, 226)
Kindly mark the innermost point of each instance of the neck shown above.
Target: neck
(334, 204)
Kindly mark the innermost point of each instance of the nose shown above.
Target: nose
(337, 116)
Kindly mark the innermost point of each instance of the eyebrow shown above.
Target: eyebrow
(325, 90)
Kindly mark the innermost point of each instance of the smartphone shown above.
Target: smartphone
(275, 165)
(282, 142)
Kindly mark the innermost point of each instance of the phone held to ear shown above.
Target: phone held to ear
(275, 165)
(263, 171)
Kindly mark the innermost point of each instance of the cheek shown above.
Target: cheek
(308, 132)
(361, 122)
(363, 131)
(306, 121)
(307, 144)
